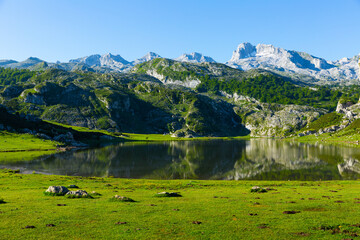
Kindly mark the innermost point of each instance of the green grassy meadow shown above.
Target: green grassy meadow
(23, 142)
(206, 210)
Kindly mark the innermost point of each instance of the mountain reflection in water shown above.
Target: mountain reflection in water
(265, 159)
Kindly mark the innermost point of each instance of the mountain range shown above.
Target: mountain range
(300, 66)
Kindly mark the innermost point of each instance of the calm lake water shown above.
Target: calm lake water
(265, 159)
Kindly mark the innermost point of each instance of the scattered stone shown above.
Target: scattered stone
(196, 222)
(168, 194)
(60, 204)
(73, 186)
(29, 226)
(50, 225)
(120, 223)
(57, 190)
(121, 199)
(302, 234)
(290, 212)
(264, 225)
(252, 214)
(258, 189)
(78, 194)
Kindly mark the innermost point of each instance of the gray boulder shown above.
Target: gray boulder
(77, 193)
(57, 190)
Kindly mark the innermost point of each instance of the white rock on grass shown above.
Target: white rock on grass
(57, 189)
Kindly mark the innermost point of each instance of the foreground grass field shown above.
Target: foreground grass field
(206, 210)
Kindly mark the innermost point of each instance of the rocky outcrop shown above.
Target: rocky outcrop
(264, 119)
(342, 106)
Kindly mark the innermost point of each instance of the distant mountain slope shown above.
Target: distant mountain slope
(117, 102)
(190, 75)
(194, 58)
(247, 56)
(299, 66)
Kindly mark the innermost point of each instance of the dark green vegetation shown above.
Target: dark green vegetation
(207, 210)
(12, 76)
(274, 89)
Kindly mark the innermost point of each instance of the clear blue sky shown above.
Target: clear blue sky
(65, 29)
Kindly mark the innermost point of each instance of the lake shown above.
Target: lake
(265, 159)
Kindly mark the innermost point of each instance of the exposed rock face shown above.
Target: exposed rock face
(288, 62)
(148, 57)
(264, 119)
(194, 58)
(341, 107)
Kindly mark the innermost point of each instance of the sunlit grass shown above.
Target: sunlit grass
(206, 210)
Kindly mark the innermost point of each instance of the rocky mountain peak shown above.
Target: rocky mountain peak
(108, 59)
(244, 50)
(194, 58)
(147, 57)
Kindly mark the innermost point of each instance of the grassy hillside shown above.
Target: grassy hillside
(324, 121)
(259, 84)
